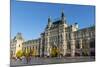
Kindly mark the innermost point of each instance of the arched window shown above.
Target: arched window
(69, 45)
(77, 45)
(66, 36)
(92, 44)
(19, 45)
(84, 44)
(33, 47)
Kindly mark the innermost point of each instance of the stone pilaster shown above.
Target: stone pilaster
(88, 45)
(73, 48)
(45, 45)
(81, 47)
(41, 47)
(72, 45)
(48, 45)
(64, 41)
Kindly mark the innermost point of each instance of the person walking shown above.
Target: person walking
(24, 61)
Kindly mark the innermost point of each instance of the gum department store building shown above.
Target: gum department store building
(65, 40)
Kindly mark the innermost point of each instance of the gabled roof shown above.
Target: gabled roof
(57, 22)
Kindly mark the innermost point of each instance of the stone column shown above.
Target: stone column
(48, 45)
(81, 47)
(72, 44)
(72, 48)
(41, 47)
(88, 45)
(45, 46)
(64, 45)
(64, 42)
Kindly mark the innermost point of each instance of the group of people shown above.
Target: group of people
(24, 60)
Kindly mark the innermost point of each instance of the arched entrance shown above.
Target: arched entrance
(33, 52)
(54, 51)
(92, 47)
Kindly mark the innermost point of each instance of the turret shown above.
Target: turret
(49, 21)
(74, 27)
(18, 40)
(63, 17)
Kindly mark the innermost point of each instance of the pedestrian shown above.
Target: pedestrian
(30, 59)
(24, 61)
(18, 61)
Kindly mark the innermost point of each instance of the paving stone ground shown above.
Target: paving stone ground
(42, 61)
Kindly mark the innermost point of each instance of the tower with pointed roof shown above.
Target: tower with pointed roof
(16, 43)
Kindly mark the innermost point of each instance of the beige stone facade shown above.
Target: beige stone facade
(67, 40)
(32, 46)
(16, 44)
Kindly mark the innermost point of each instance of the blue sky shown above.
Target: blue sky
(30, 18)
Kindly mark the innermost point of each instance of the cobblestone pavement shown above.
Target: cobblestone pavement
(42, 61)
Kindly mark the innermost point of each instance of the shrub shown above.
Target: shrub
(19, 54)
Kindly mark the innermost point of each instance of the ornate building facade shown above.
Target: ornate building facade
(32, 46)
(16, 44)
(61, 39)
(68, 40)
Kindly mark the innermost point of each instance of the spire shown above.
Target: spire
(63, 17)
(19, 36)
(49, 21)
(62, 14)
